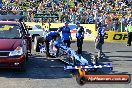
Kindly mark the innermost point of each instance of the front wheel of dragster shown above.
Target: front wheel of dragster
(38, 40)
(81, 80)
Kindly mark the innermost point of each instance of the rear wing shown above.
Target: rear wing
(11, 17)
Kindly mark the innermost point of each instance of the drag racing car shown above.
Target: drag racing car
(14, 43)
(69, 56)
(78, 65)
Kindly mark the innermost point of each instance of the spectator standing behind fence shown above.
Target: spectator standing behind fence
(130, 17)
(73, 17)
(115, 23)
(90, 19)
(129, 30)
(76, 3)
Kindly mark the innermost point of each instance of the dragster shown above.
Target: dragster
(73, 60)
(75, 63)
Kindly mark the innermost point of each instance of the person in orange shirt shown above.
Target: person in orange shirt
(108, 21)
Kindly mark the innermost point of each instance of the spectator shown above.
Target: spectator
(80, 10)
(115, 23)
(129, 30)
(76, 3)
(73, 17)
(90, 19)
(130, 18)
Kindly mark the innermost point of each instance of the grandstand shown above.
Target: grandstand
(86, 11)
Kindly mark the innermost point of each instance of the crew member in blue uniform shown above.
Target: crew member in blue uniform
(99, 41)
(80, 36)
(48, 37)
(66, 34)
(58, 41)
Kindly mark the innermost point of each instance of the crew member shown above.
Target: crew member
(129, 30)
(99, 41)
(66, 34)
(48, 37)
(80, 37)
(57, 43)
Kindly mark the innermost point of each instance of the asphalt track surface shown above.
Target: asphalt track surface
(45, 72)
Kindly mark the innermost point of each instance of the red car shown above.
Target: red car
(14, 44)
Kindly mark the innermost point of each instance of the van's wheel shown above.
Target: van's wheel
(37, 40)
(22, 68)
(26, 57)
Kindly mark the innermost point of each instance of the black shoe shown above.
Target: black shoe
(57, 55)
(128, 45)
(52, 56)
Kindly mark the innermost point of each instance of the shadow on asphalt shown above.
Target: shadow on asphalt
(104, 52)
(88, 56)
(116, 72)
(39, 68)
(73, 41)
(122, 57)
(123, 51)
(105, 58)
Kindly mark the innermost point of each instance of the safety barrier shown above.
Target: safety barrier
(111, 36)
(90, 32)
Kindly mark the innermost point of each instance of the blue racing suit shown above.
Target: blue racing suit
(66, 34)
(48, 37)
(100, 40)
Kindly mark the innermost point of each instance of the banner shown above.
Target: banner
(116, 36)
(111, 36)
